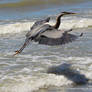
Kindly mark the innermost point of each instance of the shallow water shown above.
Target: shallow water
(27, 72)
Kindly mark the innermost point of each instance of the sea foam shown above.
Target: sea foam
(30, 84)
(19, 27)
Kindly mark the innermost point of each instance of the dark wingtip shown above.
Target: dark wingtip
(81, 34)
(48, 19)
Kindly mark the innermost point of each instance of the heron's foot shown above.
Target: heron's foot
(17, 52)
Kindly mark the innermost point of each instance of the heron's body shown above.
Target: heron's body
(56, 38)
(53, 34)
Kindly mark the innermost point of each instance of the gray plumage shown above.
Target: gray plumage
(48, 35)
(58, 40)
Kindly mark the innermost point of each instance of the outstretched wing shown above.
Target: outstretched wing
(33, 37)
(36, 27)
(36, 33)
(65, 38)
(40, 22)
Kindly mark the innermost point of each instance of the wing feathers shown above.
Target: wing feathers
(66, 38)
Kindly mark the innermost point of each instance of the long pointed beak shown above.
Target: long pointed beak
(72, 13)
(68, 13)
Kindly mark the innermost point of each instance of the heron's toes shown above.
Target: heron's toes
(17, 52)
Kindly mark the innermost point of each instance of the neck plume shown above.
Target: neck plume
(58, 21)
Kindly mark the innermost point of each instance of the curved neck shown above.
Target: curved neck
(58, 21)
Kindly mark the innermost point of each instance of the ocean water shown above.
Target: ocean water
(27, 72)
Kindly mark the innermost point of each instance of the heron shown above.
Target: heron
(47, 34)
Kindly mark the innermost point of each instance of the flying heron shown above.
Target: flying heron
(48, 34)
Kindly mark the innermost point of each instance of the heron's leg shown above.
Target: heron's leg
(22, 48)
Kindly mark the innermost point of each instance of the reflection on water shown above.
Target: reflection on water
(66, 70)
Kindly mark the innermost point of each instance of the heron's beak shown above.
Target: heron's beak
(72, 13)
(66, 13)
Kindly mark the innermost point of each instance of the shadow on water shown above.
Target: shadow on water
(71, 74)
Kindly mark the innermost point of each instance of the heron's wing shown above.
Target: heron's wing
(54, 33)
(38, 31)
(41, 30)
(33, 37)
(65, 38)
(37, 26)
(40, 22)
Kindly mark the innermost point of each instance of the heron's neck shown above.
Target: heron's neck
(58, 21)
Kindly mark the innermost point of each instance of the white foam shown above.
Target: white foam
(66, 24)
(76, 23)
(30, 84)
(15, 27)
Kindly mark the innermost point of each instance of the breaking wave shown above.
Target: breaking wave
(31, 83)
(25, 26)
